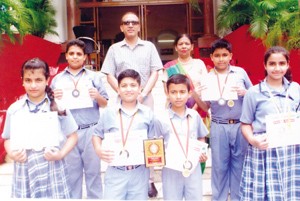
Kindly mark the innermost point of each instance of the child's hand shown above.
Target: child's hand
(141, 97)
(260, 141)
(93, 93)
(199, 88)
(52, 154)
(106, 155)
(58, 93)
(18, 155)
(239, 89)
(203, 157)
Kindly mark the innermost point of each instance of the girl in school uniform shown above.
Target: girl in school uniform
(270, 173)
(39, 173)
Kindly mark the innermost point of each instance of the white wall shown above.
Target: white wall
(61, 20)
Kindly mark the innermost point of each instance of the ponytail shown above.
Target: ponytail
(53, 104)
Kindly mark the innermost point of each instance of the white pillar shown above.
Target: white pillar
(61, 19)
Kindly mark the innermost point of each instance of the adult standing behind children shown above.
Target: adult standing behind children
(39, 171)
(129, 122)
(272, 172)
(73, 86)
(228, 146)
(137, 54)
(194, 69)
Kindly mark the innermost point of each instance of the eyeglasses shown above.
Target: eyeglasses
(130, 22)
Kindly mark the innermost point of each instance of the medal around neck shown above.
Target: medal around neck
(221, 101)
(75, 93)
(124, 154)
(187, 166)
(230, 103)
(186, 172)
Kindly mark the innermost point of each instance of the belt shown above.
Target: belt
(229, 121)
(125, 168)
(86, 126)
(259, 133)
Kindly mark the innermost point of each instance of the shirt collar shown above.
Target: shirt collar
(139, 42)
(139, 107)
(172, 114)
(264, 88)
(26, 98)
(66, 70)
(230, 69)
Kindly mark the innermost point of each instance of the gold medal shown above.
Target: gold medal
(186, 172)
(230, 103)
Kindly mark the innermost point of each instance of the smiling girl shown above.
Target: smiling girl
(271, 172)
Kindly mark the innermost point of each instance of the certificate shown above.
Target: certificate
(283, 129)
(75, 98)
(34, 131)
(212, 92)
(175, 158)
(133, 151)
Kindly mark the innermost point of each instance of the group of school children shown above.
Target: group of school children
(243, 165)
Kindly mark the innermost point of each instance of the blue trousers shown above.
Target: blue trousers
(126, 184)
(178, 187)
(228, 148)
(82, 160)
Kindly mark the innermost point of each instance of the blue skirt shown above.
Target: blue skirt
(272, 174)
(39, 178)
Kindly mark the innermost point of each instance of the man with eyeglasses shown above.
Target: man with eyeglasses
(137, 54)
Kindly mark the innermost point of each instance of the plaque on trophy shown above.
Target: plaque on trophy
(154, 152)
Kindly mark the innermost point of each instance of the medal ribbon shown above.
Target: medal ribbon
(124, 138)
(187, 137)
(285, 108)
(219, 85)
(77, 81)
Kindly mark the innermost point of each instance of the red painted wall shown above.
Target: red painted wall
(12, 56)
(249, 52)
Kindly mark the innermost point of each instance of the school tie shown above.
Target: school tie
(37, 107)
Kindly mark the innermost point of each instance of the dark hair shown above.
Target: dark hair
(221, 43)
(179, 79)
(285, 53)
(129, 73)
(76, 42)
(36, 64)
(182, 36)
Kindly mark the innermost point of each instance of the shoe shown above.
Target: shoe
(152, 191)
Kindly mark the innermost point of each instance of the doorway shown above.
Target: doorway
(156, 20)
